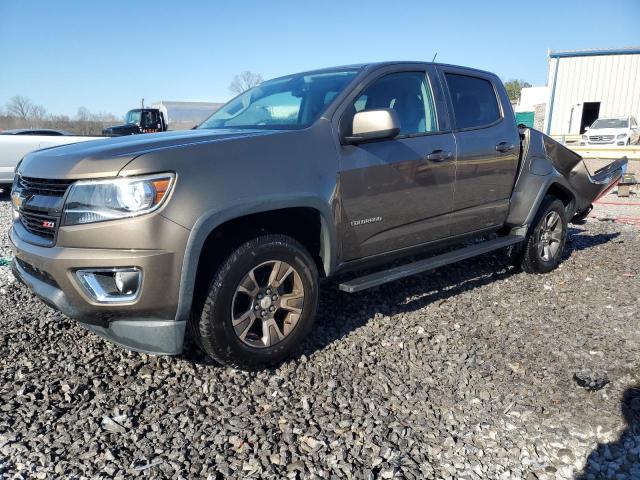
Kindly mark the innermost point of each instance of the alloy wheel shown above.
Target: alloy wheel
(267, 304)
(550, 236)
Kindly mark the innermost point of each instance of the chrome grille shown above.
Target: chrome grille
(39, 224)
(41, 203)
(601, 138)
(39, 186)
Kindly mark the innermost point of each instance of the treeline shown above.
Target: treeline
(20, 112)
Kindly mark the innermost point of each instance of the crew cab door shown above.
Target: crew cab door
(488, 149)
(396, 193)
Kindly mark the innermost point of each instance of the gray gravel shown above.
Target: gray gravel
(461, 373)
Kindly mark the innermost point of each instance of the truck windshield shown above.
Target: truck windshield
(611, 123)
(290, 102)
(133, 116)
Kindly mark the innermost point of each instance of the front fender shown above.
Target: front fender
(212, 219)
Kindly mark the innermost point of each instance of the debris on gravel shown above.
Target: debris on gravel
(464, 372)
(591, 381)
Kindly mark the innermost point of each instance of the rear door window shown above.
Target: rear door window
(474, 101)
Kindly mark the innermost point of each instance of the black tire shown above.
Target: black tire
(535, 257)
(214, 330)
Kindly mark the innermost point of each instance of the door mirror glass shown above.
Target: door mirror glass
(374, 125)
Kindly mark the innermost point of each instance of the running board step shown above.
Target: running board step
(396, 273)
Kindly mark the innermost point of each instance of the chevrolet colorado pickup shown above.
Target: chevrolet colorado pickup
(225, 231)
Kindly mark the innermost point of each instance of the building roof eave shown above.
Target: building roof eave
(594, 52)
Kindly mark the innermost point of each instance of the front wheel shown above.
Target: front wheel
(546, 238)
(261, 304)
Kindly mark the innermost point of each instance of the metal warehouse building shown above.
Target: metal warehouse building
(591, 84)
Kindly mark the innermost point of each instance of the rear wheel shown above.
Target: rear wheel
(261, 303)
(546, 238)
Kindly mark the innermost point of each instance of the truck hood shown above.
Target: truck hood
(124, 129)
(107, 157)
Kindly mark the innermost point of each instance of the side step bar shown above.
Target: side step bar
(396, 273)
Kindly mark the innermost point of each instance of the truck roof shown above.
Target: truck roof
(375, 65)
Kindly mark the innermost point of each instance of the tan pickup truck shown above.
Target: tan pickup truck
(229, 228)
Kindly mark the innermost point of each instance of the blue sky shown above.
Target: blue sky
(107, 55)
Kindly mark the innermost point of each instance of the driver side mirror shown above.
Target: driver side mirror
(373, 125)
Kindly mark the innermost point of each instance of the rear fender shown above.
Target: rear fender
(536, 177)
(550, 166)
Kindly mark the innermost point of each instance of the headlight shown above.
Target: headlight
(16, 199)
(584, 137)
(622, 135)
(99, 200)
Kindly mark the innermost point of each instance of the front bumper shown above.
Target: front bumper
(147, 324)
(612, 143)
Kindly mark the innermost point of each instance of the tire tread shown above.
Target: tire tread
(202, 326)
(530, 262)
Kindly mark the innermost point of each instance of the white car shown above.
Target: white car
(16, 144)
(618, 131)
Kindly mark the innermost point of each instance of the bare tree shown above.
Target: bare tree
(26, 113)
(84, 124)
(244, 81)
(83, 115)
(38, 115)
(21, 113)
(20, 106)
(87, 123)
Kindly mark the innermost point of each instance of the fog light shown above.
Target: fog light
(111, 285)
(127, 282)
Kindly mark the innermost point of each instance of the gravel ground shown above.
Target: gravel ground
(472, 371)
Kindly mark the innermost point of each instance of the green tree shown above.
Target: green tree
(514, 87)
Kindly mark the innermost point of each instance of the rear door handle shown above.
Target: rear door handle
(439, 156)
(504, 147)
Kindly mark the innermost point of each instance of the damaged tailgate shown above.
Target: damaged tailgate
(586, 186)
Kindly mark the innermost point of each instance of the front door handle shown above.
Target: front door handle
(504, 147)
(439, 156)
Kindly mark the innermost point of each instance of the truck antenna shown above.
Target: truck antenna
(434, 57)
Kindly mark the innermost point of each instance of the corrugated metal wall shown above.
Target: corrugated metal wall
(613, 80)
